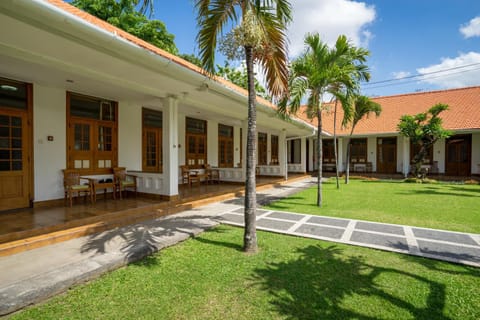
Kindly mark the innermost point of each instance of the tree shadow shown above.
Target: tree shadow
(454, 191)
(140, 240)
(316, 285)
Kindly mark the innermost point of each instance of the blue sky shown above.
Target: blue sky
(435, 38)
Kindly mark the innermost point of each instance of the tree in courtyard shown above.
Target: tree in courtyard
(321, 70)
(259, 34)
(124, 15)
(361, 106)
(423, 130)
(239, 77)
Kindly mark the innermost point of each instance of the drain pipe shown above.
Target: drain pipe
(286, 149)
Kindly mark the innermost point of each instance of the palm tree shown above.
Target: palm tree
(261, 34)
(362, 106)
(320, 70)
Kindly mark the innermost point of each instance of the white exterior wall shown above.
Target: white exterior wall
(372, 152)
(50, 157)
(181, 139)
(130, 135)
(212, 143)
(439, 154)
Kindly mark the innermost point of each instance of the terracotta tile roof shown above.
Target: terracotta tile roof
(143, 44)
(464, 112)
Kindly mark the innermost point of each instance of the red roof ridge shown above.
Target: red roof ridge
(424, 92)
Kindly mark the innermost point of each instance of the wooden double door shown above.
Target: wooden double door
(387, 155)
(458, 153)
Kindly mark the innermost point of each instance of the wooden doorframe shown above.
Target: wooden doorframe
(395, 153)
(467, 137)
(28, 163)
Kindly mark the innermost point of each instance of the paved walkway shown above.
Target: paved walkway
(455, 247)
(33, 276)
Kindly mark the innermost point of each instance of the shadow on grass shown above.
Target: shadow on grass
(318, 283)
(140, 240)
(457, 191)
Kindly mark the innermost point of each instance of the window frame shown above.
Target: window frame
(358, 150)
(262, 148)
(225, 147)
(99, 161)
(196, 159)
(157, 133)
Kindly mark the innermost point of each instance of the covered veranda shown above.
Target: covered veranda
(30, 228)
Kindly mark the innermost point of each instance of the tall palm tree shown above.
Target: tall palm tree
(318, 71)
(260, 31)
(362, 106)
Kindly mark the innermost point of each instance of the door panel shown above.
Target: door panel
(387, 155)
(14, 168)
(458, 155)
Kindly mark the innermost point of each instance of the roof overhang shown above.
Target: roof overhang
(53, 47)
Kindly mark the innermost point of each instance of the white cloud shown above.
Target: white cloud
(330, 18)
(455, 76)
(471, 29)
(400, 74)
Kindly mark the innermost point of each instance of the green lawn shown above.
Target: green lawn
(208, 277)
(440, 206)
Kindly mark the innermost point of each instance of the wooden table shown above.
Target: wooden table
(102, 183)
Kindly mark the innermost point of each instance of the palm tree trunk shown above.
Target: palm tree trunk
(347, 165)
(319, 157)
(250, 233)
(335, 142)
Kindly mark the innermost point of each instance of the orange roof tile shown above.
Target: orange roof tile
(143, 44)
(463, 114)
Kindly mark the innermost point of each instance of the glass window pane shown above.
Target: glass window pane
(4, 120)
(17, 132)
(4, 132)
(17, 154)
(152, 118)
(16, 121)
(16, 165)
(4, 154)
(4, 165)
(4, 143)
(13, 94)
(196, 126)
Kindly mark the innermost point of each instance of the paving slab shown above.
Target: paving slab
(444, 236)
(380, 227)
(320, 231)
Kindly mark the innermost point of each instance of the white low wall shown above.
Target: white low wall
(231, 174)
(149, 182)
(269, 171)
(295, 167)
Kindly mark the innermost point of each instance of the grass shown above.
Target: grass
(208, 277)
(440, 206)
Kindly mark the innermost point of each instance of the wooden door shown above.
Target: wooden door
(14, 159)
(458, 151)
(387, 155)
(196, 151)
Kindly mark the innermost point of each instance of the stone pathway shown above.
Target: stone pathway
(455, 247)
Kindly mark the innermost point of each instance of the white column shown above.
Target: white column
(340, 154)
(303, 154)
(406, 156)
(282, 152)
(170, 146)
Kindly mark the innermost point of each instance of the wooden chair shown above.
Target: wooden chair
(189, 176)
(213, 175)
(124, 181)
(72, 183)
